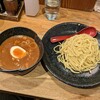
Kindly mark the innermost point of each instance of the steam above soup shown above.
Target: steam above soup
(18, 52)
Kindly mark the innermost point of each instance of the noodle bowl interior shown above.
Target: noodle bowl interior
(79, 53)
(18, 52)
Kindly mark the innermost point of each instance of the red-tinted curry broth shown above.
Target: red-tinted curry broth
(8, 62)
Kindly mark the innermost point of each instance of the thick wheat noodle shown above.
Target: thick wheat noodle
(79, 53)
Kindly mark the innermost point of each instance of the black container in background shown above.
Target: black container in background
(2, 8)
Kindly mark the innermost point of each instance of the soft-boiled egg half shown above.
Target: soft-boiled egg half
(17, 52)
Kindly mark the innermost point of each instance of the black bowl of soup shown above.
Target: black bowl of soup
(20, 50)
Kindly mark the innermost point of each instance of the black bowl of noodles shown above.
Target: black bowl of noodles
(82, 80)
(20, 50)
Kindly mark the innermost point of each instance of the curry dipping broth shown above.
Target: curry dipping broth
(18, 52)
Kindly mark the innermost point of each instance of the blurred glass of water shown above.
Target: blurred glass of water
(52, 9)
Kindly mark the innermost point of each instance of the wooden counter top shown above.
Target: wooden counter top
(39, 82)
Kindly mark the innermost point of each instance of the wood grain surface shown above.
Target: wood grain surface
(39, 82)
(86, 5)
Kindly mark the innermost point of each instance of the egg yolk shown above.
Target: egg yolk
(19, 53)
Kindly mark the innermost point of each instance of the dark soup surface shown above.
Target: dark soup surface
(18, 52)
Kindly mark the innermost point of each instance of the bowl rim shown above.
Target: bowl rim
(40, 56)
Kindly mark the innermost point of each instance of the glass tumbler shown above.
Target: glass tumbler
(52, 9)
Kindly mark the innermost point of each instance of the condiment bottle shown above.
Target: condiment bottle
(2, 8)
(11, 6)
(31, 7)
